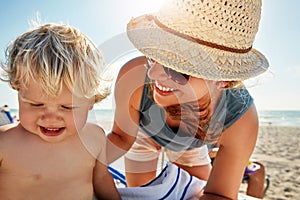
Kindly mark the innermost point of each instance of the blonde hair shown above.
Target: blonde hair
(54, 55)
(194, 115)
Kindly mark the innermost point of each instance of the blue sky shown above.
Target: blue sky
(278, 38)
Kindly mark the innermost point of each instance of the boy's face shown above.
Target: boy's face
(52, 119)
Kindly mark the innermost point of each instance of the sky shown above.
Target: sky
(104, 21)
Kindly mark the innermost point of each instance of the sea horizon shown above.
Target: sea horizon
(266, 117)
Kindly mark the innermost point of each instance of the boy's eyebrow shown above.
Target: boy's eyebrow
(25, 99)
(65, 104)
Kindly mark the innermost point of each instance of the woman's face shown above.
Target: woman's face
(168, 91)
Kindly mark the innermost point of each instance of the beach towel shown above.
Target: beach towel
(172, 183)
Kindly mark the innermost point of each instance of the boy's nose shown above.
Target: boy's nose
(51, 115)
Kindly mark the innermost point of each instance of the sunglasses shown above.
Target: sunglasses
(175, 76)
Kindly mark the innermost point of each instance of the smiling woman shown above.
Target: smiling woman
(185, 93)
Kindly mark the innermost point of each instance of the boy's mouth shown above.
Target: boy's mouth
(52, 131)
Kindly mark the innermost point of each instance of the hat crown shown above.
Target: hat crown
(229, 23)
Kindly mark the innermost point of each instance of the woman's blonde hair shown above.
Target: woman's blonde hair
(195, 116)
(55, 55)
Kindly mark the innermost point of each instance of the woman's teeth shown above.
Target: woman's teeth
(162, 88)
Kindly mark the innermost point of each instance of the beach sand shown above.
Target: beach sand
(278, 148)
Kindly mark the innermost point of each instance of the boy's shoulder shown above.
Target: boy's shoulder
(8, 135)
(93, 136)
(94, 128)
(8, 128)
(93, 131)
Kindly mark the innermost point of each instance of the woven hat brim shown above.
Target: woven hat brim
(191, 58)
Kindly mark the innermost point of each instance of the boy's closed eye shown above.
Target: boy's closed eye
(36, 104)
(69, 107)
(39, 105)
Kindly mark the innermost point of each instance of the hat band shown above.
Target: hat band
(197, 40)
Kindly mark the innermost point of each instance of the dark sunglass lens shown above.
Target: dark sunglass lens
(178, 77)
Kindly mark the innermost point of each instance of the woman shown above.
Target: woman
(186, 93)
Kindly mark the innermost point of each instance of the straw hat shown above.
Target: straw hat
(210, 39)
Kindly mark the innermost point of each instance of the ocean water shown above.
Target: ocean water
(267, 117)
(279, 118)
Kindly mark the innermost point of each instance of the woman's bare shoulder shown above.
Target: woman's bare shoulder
(243, 133)
(135, 65)
(130, 82)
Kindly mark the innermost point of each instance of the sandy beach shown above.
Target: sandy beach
(278, 149)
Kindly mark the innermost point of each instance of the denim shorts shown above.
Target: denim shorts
(146, 149)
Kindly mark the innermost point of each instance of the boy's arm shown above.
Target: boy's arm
(104, 186)
(103, 183)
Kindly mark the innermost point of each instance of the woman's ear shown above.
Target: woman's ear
(91, 106)
(222, 84)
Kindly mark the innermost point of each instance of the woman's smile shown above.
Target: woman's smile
(163, 90)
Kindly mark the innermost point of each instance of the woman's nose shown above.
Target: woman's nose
(156, 72)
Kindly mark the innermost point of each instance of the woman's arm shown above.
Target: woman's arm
(128, 92)
(236, 146)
